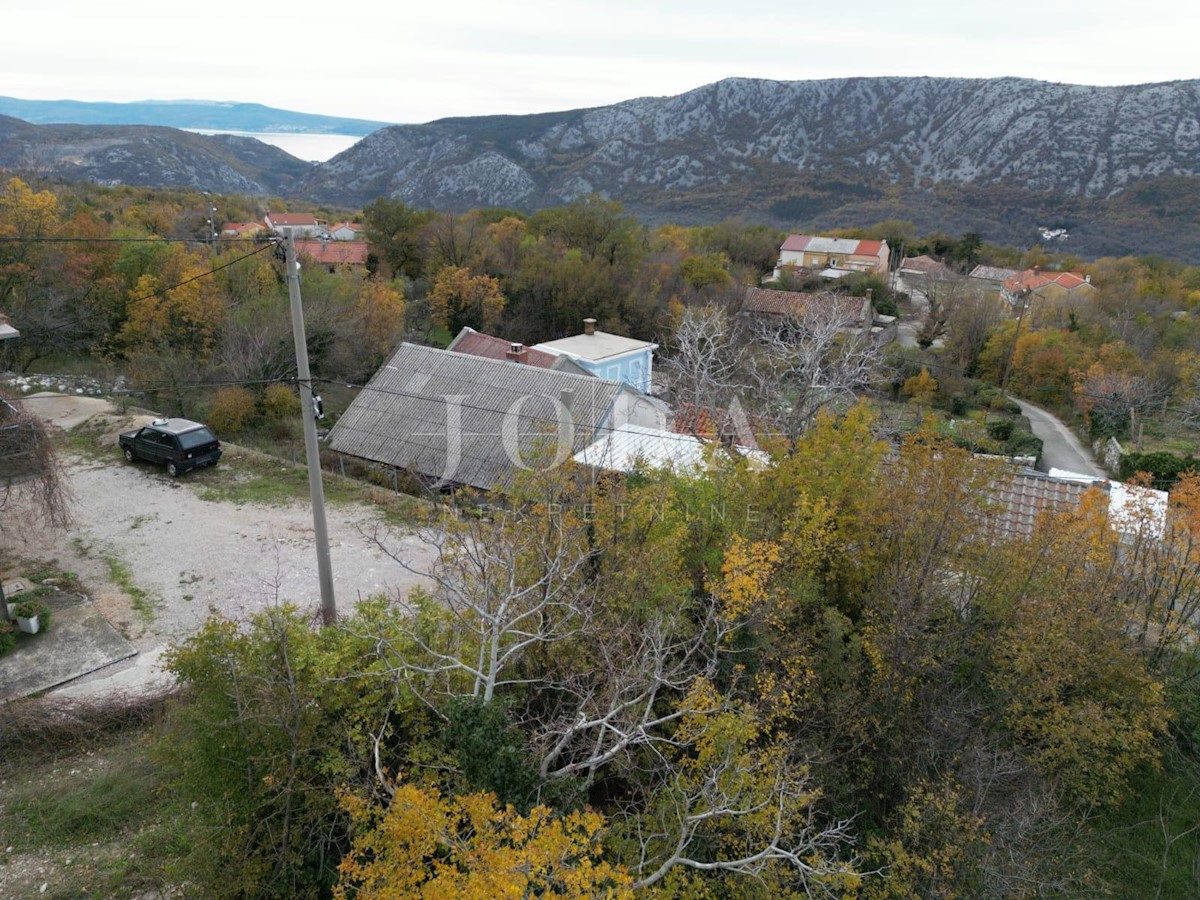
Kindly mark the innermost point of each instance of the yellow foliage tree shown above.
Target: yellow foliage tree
(470, 848)
(24, 213)
(459, 298)
(379, 312)
(922, 387)
(179, 313)
(1073, 686)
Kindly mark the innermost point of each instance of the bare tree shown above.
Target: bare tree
(1113, 400)
(705, 366)
(731, 805)
(815, 355)
(970, 318)
(616, 705)
(33, 486)
(499, 591)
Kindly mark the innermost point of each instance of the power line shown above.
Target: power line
(96, 240)
(665, 435)
(212, 271)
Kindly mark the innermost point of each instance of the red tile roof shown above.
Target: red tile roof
(799, 242)
(1032, 279)
(923, 265)
(796, 242)
(707, 422)
(334, 253)
(1020, 497)
(476, 343)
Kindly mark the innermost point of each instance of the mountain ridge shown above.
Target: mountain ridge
(148, 155)
(797, 152)
(1119, 167)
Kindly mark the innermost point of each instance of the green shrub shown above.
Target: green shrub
(1000, 429)
(8, 640)
(1164, 468)
(958, 406)
(231, 410)
(1023, 443)
(279, 402)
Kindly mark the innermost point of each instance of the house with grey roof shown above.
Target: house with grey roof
(455, 419)
(991, 277)
(606, 355)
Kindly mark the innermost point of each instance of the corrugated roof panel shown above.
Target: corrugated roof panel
(467, 419)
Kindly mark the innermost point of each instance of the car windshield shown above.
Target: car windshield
(190, 440)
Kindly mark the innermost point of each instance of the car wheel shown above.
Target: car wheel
(128, 455)
(172, 469)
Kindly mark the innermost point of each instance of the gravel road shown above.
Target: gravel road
(192, 557)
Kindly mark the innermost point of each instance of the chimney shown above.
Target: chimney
(517, 352)
(1087, 279)
(589, 326)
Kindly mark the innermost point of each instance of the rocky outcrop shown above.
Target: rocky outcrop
(148, 156)
(763, 137)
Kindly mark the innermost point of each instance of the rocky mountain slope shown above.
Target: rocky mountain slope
(1118, 167)
(148, 156)
(812, 152)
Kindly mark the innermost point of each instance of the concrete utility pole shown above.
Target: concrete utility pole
(311, 451)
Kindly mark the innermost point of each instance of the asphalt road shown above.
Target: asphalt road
(1060, 448)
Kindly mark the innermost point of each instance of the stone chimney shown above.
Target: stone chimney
(517, 352)
(589, 326)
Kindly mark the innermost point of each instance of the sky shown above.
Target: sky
(404, 61)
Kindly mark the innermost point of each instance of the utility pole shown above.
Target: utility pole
(311, 451)
(1024, 301)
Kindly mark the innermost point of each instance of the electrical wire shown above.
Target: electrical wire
(212, 271)
(145, 240)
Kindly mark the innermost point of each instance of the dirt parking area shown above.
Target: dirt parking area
(159, 555)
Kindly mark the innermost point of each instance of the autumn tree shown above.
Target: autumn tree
(707, 270)
(596, 227)
(394, 231)
(279, 716)
(453, 241)
(461, 299)
(427, 845)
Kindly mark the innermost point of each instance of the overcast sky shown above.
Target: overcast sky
(404, 61)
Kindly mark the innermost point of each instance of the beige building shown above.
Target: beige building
(838, 256)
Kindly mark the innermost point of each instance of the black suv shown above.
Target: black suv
(180, 444)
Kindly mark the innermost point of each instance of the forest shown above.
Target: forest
(826, 676)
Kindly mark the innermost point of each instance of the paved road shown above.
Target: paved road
(1060, 448)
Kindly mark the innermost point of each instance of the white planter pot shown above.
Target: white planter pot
(29, 626)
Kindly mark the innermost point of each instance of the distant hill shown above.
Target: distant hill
(212, 115)
(1118, 166)
(148, 156)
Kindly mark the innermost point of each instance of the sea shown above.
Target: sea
(311, 147)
